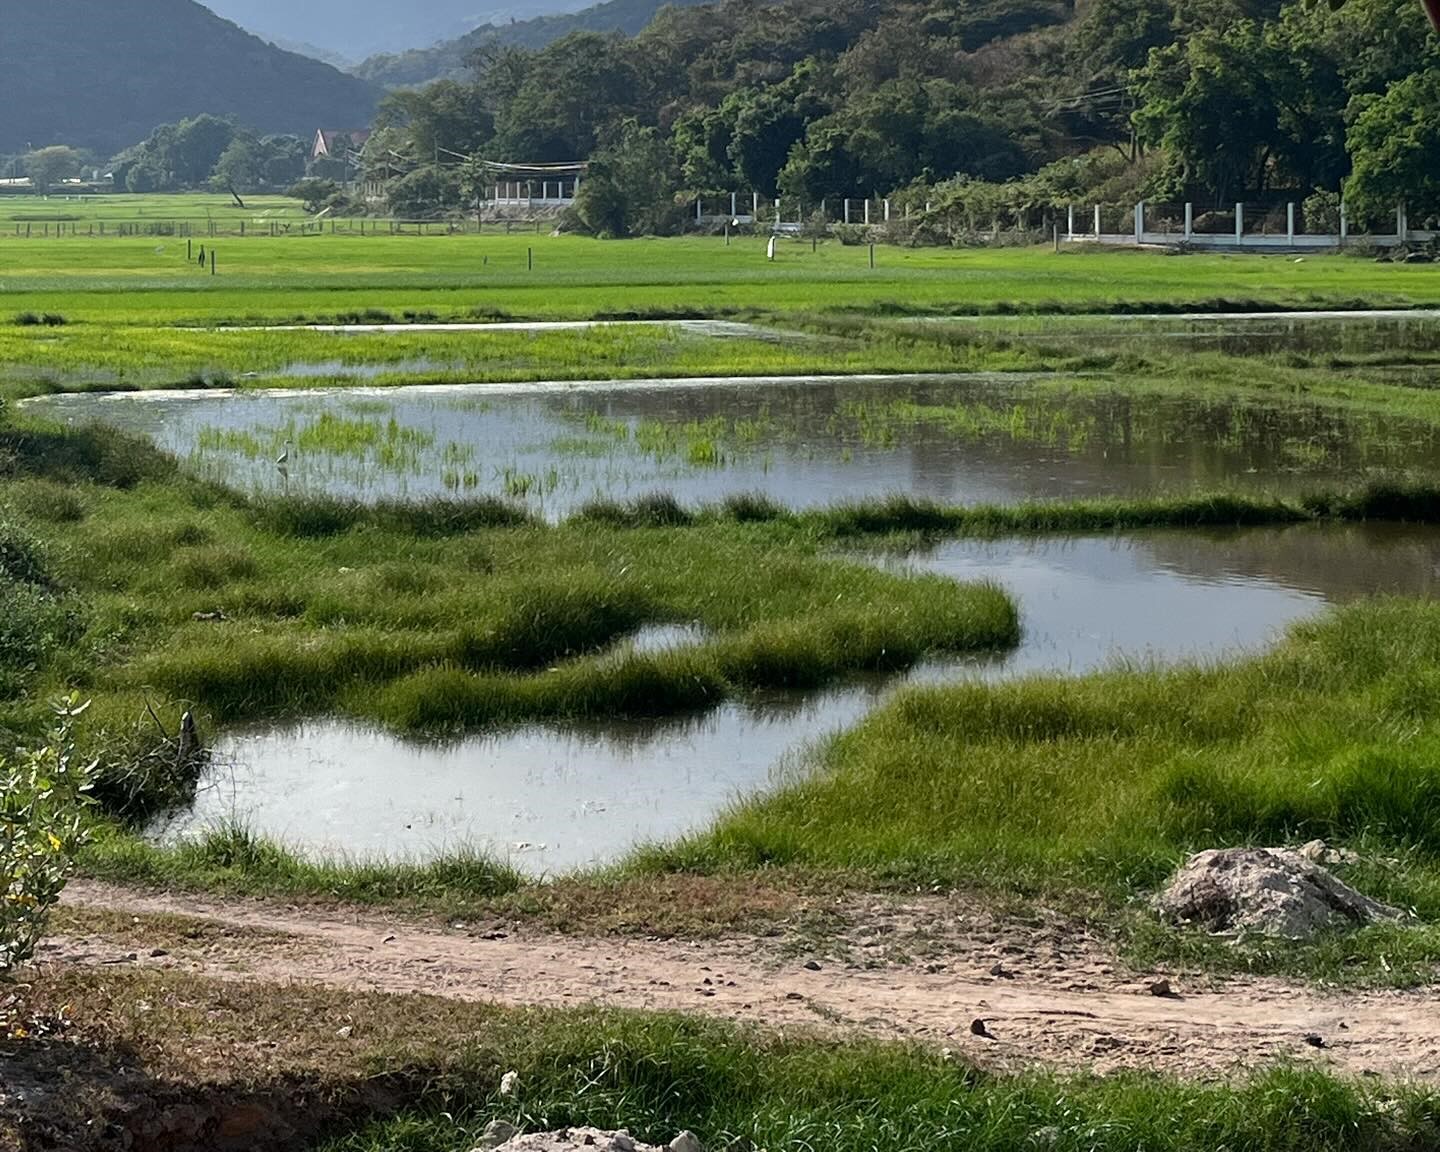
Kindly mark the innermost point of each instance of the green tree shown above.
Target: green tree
(47, 167)
(315, 194)
(241, 167)
(1394, 142)
(630, 188)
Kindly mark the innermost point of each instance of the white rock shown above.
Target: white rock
(1269, 891)
(686, 1142)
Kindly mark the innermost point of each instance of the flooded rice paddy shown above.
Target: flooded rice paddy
(805, 442)
(557, 798)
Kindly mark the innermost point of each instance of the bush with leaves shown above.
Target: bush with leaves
(43, 793)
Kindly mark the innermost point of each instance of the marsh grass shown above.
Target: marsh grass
(231, 858)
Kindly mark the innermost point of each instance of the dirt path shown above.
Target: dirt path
(1052, 999)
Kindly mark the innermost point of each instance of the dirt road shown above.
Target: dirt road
(1046, 995)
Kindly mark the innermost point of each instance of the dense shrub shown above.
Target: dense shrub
(42, 792)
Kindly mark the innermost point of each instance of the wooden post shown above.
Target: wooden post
(212, 261)
(872, 255)
(530, 259)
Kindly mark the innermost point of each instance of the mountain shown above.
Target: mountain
(360, 28)
(102, 74)
(447, 59)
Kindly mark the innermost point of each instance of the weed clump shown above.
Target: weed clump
(21, 558)
(751, 508)
(40, 320)
(315, 517)
(657, 510)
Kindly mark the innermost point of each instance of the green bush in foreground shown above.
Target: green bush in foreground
(41, 828)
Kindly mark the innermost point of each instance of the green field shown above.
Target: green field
(148, 281)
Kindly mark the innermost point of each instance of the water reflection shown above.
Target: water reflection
(807, 442)
(558, 799)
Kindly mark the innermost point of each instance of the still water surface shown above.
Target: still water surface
(805, 442)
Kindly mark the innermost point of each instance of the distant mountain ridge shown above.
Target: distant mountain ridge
(104, 75)
(447, 59)
(356, 29)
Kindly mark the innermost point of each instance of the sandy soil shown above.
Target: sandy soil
(1047, 993)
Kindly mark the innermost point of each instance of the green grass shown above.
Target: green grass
(148, 282)
(659, 1075)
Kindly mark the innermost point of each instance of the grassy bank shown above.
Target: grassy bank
(356, 1072)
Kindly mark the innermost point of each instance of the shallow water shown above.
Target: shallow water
(805, 442)
(558, 799)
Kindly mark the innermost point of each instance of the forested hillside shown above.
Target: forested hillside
(102, 76)
(993, 102)
(450, 58)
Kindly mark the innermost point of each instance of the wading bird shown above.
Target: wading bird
(284, 457)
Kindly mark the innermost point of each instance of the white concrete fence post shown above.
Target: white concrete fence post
(887, 211)
(847, 210)
(1344, 223)
(1402, 225)
(699, 210)
(755, 206)
(1140, 222)
(867, 211)
(1290, 224)
(734, 205)
(1239, 224)
(1097, 221)
(1189, 220)
(1070, 222)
